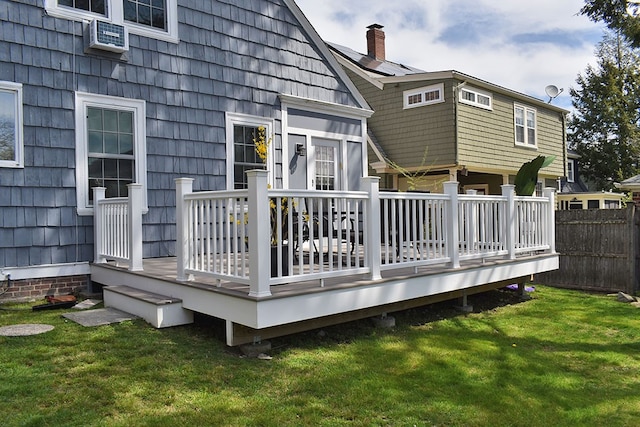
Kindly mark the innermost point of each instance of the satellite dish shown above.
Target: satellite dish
(552, 91)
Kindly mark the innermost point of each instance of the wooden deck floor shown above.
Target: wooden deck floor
(305, 305)
(165, 269)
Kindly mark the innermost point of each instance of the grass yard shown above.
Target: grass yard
(564, 358)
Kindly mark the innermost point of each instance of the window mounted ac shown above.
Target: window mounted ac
(107, 36)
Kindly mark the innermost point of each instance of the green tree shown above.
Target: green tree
(604, 129)
(616, 15)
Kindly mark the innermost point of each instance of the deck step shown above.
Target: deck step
(159, 310)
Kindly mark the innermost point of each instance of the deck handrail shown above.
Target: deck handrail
(118, 227)
(315, 235)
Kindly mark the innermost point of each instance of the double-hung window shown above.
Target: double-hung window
(424, 96)
(110, 146)
(242, 134)
(152, 18)
(525, 126)
(571, 170)
(11, 138)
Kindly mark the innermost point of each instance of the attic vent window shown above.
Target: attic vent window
(476, 98)
(415, 99)
(424, 96)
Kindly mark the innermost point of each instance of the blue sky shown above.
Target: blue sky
(522, 45)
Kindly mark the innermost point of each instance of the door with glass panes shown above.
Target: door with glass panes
(325, 163)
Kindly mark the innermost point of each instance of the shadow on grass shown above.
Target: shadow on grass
(563, 358)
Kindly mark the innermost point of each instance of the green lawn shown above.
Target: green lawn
(563, 358)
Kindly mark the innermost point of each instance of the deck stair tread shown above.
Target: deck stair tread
(139, 294)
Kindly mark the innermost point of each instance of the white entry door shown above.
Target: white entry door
(326, 164)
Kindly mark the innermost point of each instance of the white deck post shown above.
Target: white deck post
(453, 235)
(372, 240)
(134, 206)
(184, 186)
(98, 226)
(550, 194)
(508, 191)
(259, 234)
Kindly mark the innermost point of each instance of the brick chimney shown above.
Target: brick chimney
(375, 42)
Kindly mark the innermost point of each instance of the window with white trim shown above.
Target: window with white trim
(110, 146)
(151, 18)
(11, 138)
(242, 132)
(427, 95)
(571, 170)
(476, 97)
(525, 125)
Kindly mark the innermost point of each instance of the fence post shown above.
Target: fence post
(549, 193)
(453, 235)
(184, 186)
(372, 240)
(508, 192)
(134, 207)
(98, 225)
(259, 234)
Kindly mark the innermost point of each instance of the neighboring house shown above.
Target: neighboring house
(632, 185)
(474, 131)
(575, 194)
(108, 93)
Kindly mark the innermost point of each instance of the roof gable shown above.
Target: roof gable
(324, 51)
(379, 73)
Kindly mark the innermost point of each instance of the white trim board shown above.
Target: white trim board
(47, 270)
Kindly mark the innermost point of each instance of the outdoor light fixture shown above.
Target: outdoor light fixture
(301, 150)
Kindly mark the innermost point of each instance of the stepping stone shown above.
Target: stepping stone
(24, 330)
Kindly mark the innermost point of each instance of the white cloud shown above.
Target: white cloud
(523, 46)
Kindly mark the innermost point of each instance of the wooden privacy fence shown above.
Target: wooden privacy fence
(599, 250)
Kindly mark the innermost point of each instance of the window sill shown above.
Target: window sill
(527, 146)
(11, 165)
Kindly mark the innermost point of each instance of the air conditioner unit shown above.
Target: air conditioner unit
(107, 36)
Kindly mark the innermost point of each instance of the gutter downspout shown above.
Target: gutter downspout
(456, 89)
(563, 116)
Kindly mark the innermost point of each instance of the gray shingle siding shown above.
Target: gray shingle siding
(232, 56)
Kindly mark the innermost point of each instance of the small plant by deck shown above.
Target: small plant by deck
(277, 213)
(416, 178)
(564, 358)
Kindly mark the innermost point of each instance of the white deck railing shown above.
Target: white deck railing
(263, 237)
(118, 227)
(315, 235)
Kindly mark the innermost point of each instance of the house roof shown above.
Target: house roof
(632, 183)
(572, 154)
(380, 154)
(366, 62)
(383, 72)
